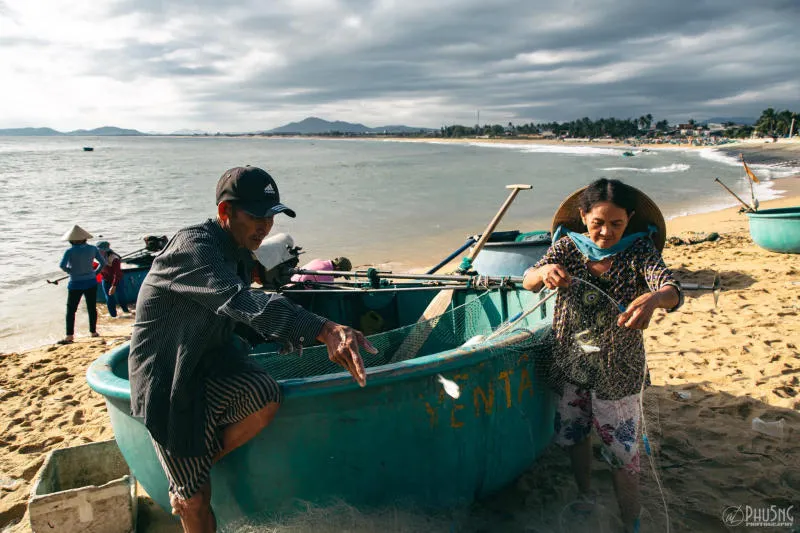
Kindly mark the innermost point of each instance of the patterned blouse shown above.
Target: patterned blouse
(590, 350)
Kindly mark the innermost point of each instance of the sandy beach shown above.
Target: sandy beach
(730, 362)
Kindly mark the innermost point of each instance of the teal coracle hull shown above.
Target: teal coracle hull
(399, 440)
(512, 257)
(777, 230)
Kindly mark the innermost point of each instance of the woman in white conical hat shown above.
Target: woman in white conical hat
(78, 262)
(606, 263)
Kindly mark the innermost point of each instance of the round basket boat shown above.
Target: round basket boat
(400, 439)
(777, 230)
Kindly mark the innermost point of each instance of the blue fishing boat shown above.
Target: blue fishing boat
(135, 267)
(132, 279)
(401, 439)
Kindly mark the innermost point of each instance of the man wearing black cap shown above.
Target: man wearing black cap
(191, 381)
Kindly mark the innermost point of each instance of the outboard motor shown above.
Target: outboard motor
(154, 243)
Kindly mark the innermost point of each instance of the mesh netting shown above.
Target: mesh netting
(596, 366)
(453, 328)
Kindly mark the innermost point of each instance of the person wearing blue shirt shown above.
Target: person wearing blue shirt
(78, 262)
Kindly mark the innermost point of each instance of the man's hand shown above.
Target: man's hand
(343, 348)
(112, 290)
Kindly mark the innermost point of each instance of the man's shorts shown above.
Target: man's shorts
(616, 422)
(229, 400)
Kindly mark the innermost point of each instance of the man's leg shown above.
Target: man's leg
(189, 490)
(246, 403)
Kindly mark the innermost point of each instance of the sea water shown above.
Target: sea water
(374, 201)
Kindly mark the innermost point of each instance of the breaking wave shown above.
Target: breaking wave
(674, 167)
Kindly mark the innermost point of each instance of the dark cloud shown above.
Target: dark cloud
(517, 60)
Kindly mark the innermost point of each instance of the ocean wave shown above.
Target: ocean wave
(551, 149)
(774, 171)
(674, 167)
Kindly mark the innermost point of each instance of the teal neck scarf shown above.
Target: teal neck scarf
(593, 252)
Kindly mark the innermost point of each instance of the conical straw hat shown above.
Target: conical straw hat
(77, 233)
(646, 212)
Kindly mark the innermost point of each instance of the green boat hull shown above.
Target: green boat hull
(398, 440)
(777, 230)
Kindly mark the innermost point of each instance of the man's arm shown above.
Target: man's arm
(197, 269)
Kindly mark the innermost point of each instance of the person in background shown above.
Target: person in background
(78, 262)
(341, 264)
(608, 234)
(111, 276)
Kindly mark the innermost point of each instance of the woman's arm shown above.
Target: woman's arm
(549, 270)
(640, 311)
(64, 265)
(551, 276)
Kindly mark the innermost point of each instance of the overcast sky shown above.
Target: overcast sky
(164, 65)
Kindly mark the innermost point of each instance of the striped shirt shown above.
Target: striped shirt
(197, 290)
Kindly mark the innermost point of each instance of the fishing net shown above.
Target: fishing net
(472, 319)
(596, 366)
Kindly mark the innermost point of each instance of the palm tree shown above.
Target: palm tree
(766, 122)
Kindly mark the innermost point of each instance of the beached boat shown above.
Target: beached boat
(88, 149)
(134, 270)
(777, 230)
(401, 439)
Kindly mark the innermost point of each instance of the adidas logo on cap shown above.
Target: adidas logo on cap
(269, 189)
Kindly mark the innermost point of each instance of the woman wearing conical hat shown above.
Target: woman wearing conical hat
(78, 262)
(606, 263)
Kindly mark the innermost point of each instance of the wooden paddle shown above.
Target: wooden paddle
(412, 343)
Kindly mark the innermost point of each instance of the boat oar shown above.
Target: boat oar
(450, 257)
(747, 207)
(715, 287)
(412, 343)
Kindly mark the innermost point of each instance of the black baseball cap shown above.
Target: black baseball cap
(253, 190)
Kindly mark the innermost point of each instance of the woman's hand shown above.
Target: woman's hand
(639, 312)
(343, 348)
(554, 276)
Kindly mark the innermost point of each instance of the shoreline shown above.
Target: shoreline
(736, 360)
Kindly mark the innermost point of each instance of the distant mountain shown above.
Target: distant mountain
(189, 132)
(29, 132)
(748, 121)
(314, 125)
(105, 130)
(39, 132)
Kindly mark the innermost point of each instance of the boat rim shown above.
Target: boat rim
(102, 379)
(778, 212)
